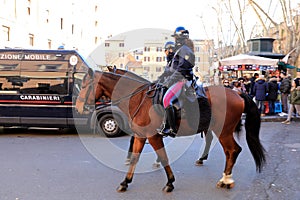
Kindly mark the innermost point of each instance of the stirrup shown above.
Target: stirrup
(165, 133)
(162, 132)
(172, 134)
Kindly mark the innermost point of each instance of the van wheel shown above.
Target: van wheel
(109, 125)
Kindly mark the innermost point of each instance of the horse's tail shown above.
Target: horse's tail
(252, 126)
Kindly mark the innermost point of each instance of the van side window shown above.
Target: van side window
(44, 77)
(10, 80)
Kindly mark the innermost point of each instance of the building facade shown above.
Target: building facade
(149, 61)
(38, 24)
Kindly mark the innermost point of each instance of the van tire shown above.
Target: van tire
(109, 125)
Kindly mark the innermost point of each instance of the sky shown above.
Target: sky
(199, 17)
(121, 16)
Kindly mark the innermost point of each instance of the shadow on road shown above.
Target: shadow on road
(37, 131)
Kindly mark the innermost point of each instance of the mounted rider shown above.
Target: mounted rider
(182, 73)
(170, 52)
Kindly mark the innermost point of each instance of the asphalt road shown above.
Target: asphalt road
(60, 165)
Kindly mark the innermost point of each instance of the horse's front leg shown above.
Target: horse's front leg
(156, 142)
(138, 146)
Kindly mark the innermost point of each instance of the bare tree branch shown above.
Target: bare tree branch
(266, 14)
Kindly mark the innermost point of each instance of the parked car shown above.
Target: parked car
(38, 88)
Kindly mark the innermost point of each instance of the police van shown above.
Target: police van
(38, 88)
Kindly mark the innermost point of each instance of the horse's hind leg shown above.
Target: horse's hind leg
(138, 146)
(231, 150)
(208, 139)
(127, 161)
(156, 142)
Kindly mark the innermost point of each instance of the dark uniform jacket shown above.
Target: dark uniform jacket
(182, 65)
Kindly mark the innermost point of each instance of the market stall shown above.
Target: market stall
(238, 65)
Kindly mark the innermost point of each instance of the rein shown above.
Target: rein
(87, 93)
(130, 95)
(141, 103)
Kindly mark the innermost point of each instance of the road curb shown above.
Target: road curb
(277, 119)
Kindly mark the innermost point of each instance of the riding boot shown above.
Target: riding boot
(170, 130)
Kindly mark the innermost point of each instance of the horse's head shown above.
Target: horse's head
(112, 68)
(87, 94)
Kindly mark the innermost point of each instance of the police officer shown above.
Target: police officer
(169, 51)
(182, 72)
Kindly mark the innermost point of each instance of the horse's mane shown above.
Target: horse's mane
(134, 75)
(115, 76)
(131, 74)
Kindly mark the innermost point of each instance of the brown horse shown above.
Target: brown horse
(134, 99)
(208, 136)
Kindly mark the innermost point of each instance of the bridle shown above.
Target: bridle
(90, 88)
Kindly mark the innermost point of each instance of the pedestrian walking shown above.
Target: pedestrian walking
(237, 86)
(285, 88)
(260, 90)
(272, 94)
(252, 83)
(226, 83)
(294, 98)
(241, 80)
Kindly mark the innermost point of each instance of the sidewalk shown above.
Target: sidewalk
(277, 118)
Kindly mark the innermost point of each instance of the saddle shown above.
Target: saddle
(192, 95)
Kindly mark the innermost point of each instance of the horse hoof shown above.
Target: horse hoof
(199, 163)
(122, 188)
(221, 184)
(156, 165)
(168, 188)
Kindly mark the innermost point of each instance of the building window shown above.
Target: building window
(121, 44)
(96, 23)
(158, 69)
(147, 59)
(49, 44)
(72, 29)
(255, 46)
(121, 55)
(146, 48)
(159, 49)
(197, 49)
(106, 44)
(31, 39)
(96, 40)
(61, 23)
(47, 16)
(96, 8)
(158, 59)
(6, 33)
(28, 10)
